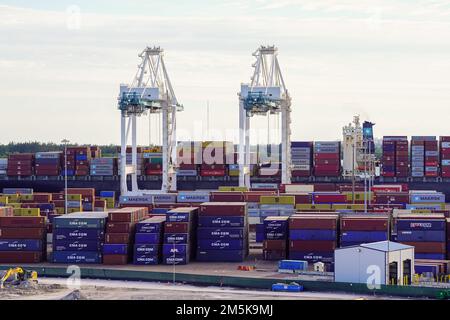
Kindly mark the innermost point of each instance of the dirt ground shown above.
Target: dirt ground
(57, 289)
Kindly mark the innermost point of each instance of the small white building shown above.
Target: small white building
(383, 262)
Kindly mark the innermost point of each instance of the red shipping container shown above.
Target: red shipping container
(118, 238)
(313, 222)
(22, 233)
(115, 259)
(22, 222)
(212, 173)
(227, 197)
(329, 156)
(326, 167)
(330, 198)
(120, 227)
(374, 223)
(274, 244)
(313, 246)
(254, 196)
(212, 167)
(326, 173)
(176, 227)
(21, 156)
(223, 209)
(20, 257)
(274, 254)
(300, 198)
(149, 172)
(427, 247)
(301, 173)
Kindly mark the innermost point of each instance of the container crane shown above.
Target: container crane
(150, 93)
(266, 94)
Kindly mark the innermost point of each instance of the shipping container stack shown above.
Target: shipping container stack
(48, 163)
(120, 234)
(359, 228)
(103, 166)
(87, 197)
(153, 161)
(180, 231)
(301, 157)
(214, 154)
(20, 164)
(189, 158)
(79, 237)
(395, 159)
(426, 200)
(3, 166)
(327, 158)
(22, 239)
(276, 236)
(313, 238)
(109, 197)
(78, 159)
(445, 156)
(426, 233)
(148, 241)
(431, 158)
(418, 157)
(222, 232)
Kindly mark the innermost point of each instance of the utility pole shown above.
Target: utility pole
(65, 142)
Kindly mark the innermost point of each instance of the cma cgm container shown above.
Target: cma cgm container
(22, 239)
(276, 236)
(444, 143)
(222, 232)
(358, 229)
(327, 158)
(313, 237)
(427, 233)
(78, 237)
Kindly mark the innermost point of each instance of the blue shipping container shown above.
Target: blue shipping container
(221, 244)
(21, 245)
(220, 255)
(419, 235)
(175, 249)
(293, 265)
(176, 238)
(430, 256)
(415, 224)
(177, 216)
(171, 260)
(76, 257)
(160, 210)
(77, 245)
(148, 238)
(313, 235)
(221, 222)
(145, 259)
(78, 234)
(275, 235)
(146, 249)
(107, 194)
(220, 233)
(115, 248)
(326, 257)
(364, 236)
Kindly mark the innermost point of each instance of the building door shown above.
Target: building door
(407, 272)
(393, 273)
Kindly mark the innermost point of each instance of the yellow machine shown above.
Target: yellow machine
(17, 276)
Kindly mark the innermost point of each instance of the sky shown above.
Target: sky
(61, 64)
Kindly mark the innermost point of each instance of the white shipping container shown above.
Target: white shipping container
(299, 188)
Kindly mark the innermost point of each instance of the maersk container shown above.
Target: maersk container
(417, 235)
(220, 233)
(428, 198)
(148, 238)
(165, 198)
(21, 245)
(13, 191)
(231, 221)
(76, 257)
(175, 249)
(145, 259)
(220, 255)
(115, 248)
(312, 235)
(77, 245)
(192, 197)
(221, 244)
(363, 236)
(148, 199)
(429, 206)
(421, 224)
(178, 238)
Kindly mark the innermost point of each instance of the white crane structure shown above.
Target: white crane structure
(266, 94)
(150, 93)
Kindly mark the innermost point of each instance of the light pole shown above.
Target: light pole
(65, 142)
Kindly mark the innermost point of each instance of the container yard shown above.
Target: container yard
(262, 212)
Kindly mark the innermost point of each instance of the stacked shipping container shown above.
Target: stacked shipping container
(179, 235)
(301, 157)
(276, 236)
(395, 160)
(148, 241)
(327, 161)
(313, 237)
(48, 163)
(78, 159)
(445, 156)
(103, 166)
(222, 232)
(358, 229)
(78, 237)
(20, 164)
